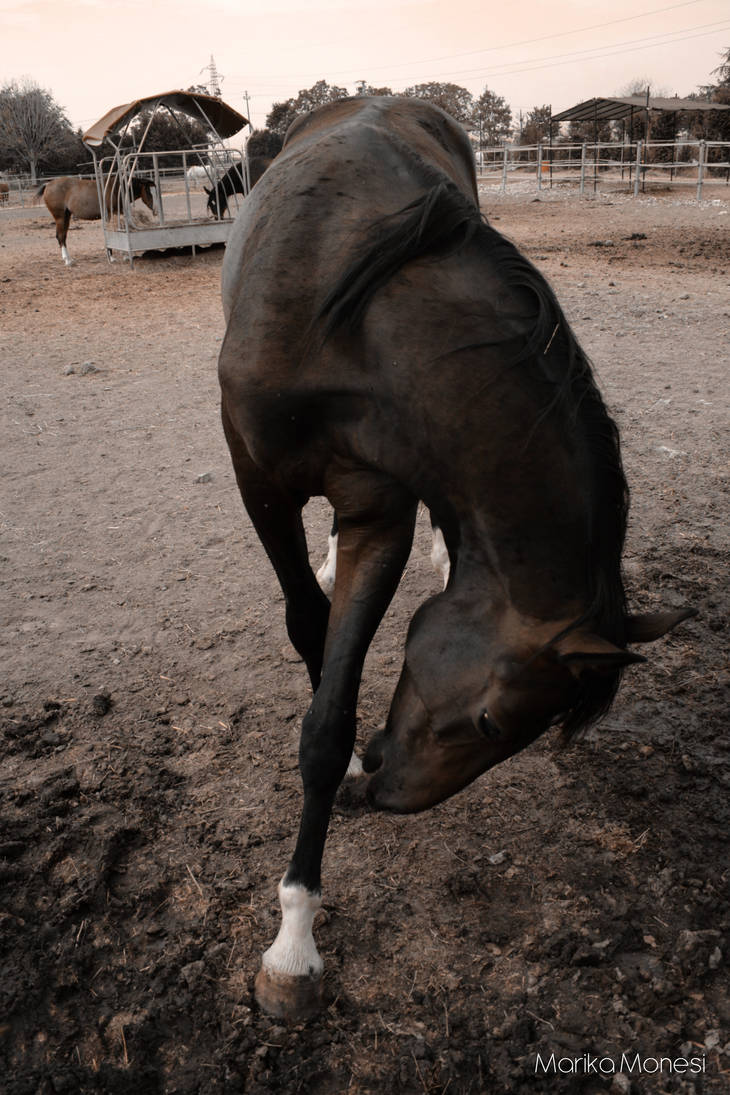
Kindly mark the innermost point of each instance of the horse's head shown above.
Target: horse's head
(147, 195)
(142, 188)
(475, 690)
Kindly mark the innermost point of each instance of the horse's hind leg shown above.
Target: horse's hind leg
(327, 572)
(439, 552)
(62, 224)
(277, 518)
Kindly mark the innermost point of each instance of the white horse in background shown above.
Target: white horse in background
(198, 174)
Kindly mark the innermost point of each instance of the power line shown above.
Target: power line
(636, 43)
(509, 45)
(559, 60)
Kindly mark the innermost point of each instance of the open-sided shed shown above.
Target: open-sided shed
(182, 216)
(622, 108)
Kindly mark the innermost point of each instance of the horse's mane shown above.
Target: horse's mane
(437, 224)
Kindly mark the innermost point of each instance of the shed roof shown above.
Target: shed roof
(622, 107)
(208, 108)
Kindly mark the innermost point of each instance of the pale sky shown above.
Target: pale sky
(96, 54)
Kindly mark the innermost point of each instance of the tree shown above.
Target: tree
(168, 131)
(281, 115)
(589, 131)
(264, 143)
(723, 70)
(715, 126)
(536, 126)
(364, 88)
(455, 100)
(67, 156)
(719, 127)
(32, 126)
(636, 128)
(492, 118)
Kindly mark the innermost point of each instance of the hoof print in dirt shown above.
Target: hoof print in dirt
(37, 735)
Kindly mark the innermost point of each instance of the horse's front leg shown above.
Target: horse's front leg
(371, 557)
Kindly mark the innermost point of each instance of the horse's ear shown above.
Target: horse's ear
(652, 625)
(205, 188)
(581, 652)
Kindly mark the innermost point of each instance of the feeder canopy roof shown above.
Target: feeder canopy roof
(605, 110)
(208, 109)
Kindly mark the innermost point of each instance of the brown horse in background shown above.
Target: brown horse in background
(70, 196)
(385, 345)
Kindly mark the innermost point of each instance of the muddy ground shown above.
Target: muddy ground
(571, 902)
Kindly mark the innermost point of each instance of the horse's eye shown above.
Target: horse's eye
(488, 727)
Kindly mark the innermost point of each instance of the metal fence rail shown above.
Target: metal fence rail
(637, 168)
(22, 191)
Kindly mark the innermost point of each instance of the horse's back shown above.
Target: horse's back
(373, 124)
(342, 167)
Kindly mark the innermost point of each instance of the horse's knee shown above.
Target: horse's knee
(325, 747)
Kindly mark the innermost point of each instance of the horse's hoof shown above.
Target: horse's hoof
(285, 997)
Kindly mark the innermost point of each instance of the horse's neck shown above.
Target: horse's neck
(536, 576)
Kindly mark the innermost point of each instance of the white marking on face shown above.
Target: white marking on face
(326, 573)
(293, 952)
(439, 555)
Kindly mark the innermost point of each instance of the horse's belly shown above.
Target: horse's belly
(84, 205)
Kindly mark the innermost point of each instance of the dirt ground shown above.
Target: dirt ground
(570, 903)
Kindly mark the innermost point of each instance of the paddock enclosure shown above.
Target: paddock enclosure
(570, 902)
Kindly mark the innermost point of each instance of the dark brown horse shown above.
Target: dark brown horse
(385, 345)
(233, 183)
(70, 196)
